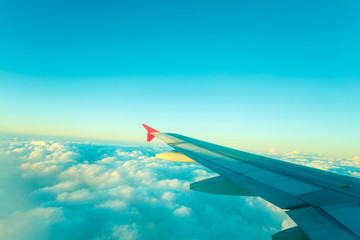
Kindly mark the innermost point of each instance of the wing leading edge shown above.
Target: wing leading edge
(323, 204)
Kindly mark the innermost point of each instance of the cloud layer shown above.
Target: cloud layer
(69, 190)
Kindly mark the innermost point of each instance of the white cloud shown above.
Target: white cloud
(125, 232)
(30, 224)
(200, 172)
(168, 196)
(55, 147)
(321, 161)
(19, 150)
(108, 160)
(37, 153)
(38, 143)
(96, 176)
(63, 186)
(113, 204)
(31, 169)
(169, 184)
(287, 223)
(182, 211)
(123, 192)
(272, 151)
(77, 196)
(68, 155)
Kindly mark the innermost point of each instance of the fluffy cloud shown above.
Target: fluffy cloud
(39, 167)
(113, 204)
(69, 190)
(128, 232)
(321, 161)
(182, 211)
(76, 196)
(31, 224)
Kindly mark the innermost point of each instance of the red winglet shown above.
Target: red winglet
(150, 131)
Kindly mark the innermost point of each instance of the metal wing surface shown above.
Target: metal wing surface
(323, 204)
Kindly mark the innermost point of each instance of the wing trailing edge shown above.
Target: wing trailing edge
(219, 185)
(294, 233)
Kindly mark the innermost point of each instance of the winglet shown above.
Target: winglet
(150, 131)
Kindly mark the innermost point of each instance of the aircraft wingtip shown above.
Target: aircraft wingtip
(149, 132)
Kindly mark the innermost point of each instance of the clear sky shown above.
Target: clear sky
(247, 74)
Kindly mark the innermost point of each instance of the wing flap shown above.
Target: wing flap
(327, 197)
(219, 185)
(318, 225)
(347, 214)
(294, 233)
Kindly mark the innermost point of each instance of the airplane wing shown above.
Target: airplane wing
(324, 205)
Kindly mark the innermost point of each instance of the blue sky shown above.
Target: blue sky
(248, 74)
